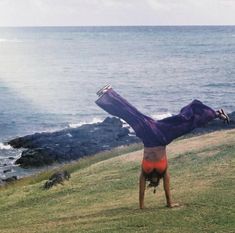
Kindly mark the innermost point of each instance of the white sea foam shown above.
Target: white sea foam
(4, 147)
(93, 121)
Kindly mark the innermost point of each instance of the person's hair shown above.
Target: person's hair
(153, 178)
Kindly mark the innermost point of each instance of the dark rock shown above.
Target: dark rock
(57, 178)
(232, 117)
(36, 157)
(10, 179)
(2, 183)
(63, 175)
(8, 170)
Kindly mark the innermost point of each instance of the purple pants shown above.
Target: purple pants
(157, 133)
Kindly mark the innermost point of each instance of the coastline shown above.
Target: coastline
(48, 149)
(42, 151)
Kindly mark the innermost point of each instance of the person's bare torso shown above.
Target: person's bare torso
(154, 154)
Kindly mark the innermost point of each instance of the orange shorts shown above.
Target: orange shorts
(149, 166)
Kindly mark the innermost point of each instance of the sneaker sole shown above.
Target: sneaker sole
(103, 89)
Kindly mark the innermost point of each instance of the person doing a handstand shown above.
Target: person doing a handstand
(156, 135)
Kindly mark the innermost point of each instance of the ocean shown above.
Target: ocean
(49, 76)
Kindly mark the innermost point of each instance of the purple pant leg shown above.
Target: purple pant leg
(143, 125)
(194, 115)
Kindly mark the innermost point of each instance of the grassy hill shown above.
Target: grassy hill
(102, 194)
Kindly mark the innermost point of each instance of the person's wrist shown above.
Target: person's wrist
(169, 205)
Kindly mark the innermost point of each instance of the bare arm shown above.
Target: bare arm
(166, 184)
(142, 185)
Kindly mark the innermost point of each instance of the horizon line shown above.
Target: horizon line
(144, 25)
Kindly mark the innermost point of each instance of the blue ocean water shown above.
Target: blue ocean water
(49, 75)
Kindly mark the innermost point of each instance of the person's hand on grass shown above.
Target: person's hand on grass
(173, 205)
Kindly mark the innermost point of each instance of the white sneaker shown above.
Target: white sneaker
(223, 116)
(103, 90)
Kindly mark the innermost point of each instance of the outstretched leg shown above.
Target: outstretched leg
(192, 116)
(157, 133)
(116, 105)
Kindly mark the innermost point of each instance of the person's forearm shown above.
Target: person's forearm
(166, 183)
(141, 191)
(141, 200)
(168, 198)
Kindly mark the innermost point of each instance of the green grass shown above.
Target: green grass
(102, 196)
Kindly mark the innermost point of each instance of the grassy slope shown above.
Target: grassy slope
(103, 196)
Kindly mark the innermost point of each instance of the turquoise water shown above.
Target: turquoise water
(49, 76)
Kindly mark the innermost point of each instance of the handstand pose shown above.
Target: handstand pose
(157, 134)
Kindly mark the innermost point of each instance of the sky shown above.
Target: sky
(116, 12)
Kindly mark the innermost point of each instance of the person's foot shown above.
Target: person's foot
(223, 116)
(103, 90)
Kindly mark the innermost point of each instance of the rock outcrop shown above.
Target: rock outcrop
(72, 143)
(57, 178)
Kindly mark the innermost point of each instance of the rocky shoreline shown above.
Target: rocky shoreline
(42, 149)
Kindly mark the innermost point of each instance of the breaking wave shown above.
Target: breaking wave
(5, 147)
(3, 40)
(93, 121)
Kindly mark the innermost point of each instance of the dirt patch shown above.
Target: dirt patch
(208, 154)
(132, 157)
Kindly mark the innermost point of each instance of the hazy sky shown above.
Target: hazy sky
(116, 12)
